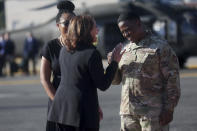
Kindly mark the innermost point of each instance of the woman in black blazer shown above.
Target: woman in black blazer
(76, 100)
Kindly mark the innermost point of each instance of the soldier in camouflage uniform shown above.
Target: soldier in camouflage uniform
(149, 72)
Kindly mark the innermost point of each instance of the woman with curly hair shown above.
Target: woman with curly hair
(76, 101)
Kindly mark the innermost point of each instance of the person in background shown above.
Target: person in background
(2, 54)
(149, 72)
(29, 53)
(9, 52)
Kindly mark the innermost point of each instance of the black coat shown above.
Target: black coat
(76, 100)
(9, 47)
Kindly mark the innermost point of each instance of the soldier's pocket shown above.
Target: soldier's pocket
(150, 61)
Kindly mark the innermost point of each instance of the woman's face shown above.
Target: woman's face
(94, 32)
(64, 22)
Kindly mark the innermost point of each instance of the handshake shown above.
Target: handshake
(116, 54)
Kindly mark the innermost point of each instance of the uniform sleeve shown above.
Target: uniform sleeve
(101, 80)
(170, 71)
(46, 52)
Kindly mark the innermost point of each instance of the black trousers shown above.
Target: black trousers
(25, 64)
(88, 129)
(52, 126)
(2, 63)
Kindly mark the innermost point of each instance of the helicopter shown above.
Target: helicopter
(175, 23)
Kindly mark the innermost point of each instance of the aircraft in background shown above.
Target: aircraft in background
(176, 23)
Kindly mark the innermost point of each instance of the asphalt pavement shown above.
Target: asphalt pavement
(23, 104)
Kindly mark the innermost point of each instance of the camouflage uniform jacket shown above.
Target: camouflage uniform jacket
(149, 72)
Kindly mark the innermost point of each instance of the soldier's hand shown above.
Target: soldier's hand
(117, 53)
(165, 117)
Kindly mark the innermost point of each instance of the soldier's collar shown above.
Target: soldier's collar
(143, 42)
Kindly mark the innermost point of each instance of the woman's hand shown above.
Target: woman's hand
(100, 114)
(117, 53)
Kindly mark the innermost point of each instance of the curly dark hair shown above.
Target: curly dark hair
(64, 6)
(79, 31)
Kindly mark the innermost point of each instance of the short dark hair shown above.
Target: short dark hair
(128, 16)
(64, 6)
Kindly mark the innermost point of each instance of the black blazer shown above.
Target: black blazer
(76, 100)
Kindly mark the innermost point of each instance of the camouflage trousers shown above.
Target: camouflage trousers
(141, 123)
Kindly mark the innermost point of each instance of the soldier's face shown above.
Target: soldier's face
(129, 29)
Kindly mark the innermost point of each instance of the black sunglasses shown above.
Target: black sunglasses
(65, 23)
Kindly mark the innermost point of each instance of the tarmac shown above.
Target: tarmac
(24, 102)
